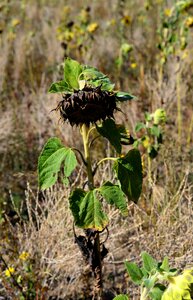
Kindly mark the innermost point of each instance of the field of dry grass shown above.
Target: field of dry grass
(35, 36)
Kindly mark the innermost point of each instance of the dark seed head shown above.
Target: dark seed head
(87, 106)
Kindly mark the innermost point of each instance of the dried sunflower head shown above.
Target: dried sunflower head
(88, 95)
(86, 106)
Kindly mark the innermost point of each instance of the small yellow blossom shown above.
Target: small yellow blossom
(133, 65)
(66, 9)
(189, 22)
(112, 22)
(168, 12)
(185, 54)
(92, 27)
(126, 20)
(9, 271)
(24, 256)
(15, 22)
(146, 142)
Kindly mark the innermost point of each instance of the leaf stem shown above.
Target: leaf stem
(81, 155)
(106, 158)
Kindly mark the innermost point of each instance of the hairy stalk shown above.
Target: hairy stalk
(97, 268)
(144, 293)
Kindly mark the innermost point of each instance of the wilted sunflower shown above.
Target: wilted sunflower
(88, 105)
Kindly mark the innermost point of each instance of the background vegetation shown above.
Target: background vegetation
(146, 48)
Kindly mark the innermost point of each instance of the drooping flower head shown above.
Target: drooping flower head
(88, 95)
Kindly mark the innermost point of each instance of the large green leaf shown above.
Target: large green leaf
(50, 160)
(59, 87)
(129, 173)
(91, 214)
(70, 162)
(149, 263)
(109, 130)
(72, 70)
(114, 196)
(134, 272)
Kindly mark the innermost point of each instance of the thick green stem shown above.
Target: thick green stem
(97, 266)
(85, 137)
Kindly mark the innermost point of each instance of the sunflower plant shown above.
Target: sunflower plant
(89, 102)
(157, 281)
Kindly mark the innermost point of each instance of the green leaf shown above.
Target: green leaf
(149, 263)
(121, 297)
(123, 96)
(95, 78)
(72, 70)
(91, 214)
(165, 264)
(109, 130)
(149, 282)
(59, 87)
(155, 130)
(75, 200)
(134, 272)
(114, 196)
(91, 73)
(139, 126)
(129, 173)
(70, 162)
(157, 292)
(148, 117)
(50, 160)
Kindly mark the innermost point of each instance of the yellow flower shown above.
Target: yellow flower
(185, 54)
(126, 20)
(15, 22)
(189, 22)
(66, 9)
(24, 256)
(9, 271)
(92, 27)
(167, 12)
(133, 65)
(146, 141)
(179, 287)
(112, 22)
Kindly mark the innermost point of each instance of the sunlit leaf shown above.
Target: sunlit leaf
(134, 272)
(95, 78)
(114, 196)
(59, 87)
(149, 263)
(121, 297)
(50, 160)
(72, 70)
(70, 162)
(87, 210)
